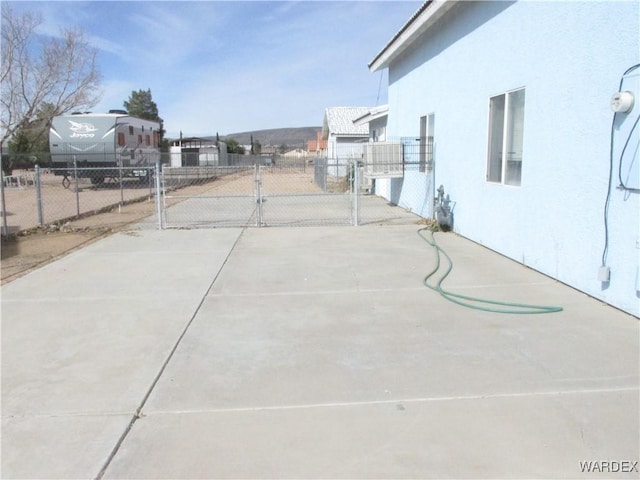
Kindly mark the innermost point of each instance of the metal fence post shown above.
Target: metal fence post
(3, 207)
(39, 196)
(158, 196)
(258, 195)
(121, 187)
(150, 180)
(77, 188)
(261, 204)
(356, 192)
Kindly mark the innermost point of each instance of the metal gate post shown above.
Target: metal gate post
(356, 193)
(159, 195)
(260, 199)
(258, 195)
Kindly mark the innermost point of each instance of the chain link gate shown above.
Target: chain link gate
(254, 192)
(259, 195)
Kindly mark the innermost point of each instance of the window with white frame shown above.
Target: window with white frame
(427, 126)
(506, 134)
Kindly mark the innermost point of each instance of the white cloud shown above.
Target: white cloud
(115, 92)
(234, 66)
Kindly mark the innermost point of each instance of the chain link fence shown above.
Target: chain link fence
(403, 171)
(395, 186)
(44, 196)
(271, 192)
(280, 192)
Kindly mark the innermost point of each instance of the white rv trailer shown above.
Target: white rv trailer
(82, 141)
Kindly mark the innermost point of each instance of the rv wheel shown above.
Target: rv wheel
(99, 180)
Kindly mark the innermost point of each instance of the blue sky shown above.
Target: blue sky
(234, 66)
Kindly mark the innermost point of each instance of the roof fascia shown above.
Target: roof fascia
(371, 116)
(428, 14)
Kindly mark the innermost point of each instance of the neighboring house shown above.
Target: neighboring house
(380, 159)
(318, 146)
(517, 98)
(376, 121)
(296, 153)
(344, 139)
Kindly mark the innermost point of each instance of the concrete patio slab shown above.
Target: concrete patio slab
(308, 353)
(84, 338)
(529, 436)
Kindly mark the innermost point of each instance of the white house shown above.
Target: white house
(344, 138)
(376, 121)
(531, 139)
(381, 159)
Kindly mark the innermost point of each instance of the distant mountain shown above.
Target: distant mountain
(292, 137)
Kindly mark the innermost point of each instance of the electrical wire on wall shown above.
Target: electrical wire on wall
(622, 183)
(379, 87)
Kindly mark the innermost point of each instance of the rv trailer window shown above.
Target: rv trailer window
(130, 130)
(121, 140)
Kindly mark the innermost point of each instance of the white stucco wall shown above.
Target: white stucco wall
(344, 148)
(569, 56)
(379, 126)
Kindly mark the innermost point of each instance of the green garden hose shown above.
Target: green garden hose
(474, 302)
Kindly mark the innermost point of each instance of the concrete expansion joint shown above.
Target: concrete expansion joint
(138, 413)
(343, 291)
(65, 415)
(397, 401)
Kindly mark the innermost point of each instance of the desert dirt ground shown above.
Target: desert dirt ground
(30, 248)
(26, 251)
(60, 202)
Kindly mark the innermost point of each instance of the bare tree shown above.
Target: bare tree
(60, 73)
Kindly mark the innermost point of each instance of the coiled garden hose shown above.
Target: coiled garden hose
(474, 302)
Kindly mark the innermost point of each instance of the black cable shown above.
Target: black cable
(628, 71)
(606, 202)
(624, 187)
(635, 124)
(608, 197)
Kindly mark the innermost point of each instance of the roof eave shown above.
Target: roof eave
(426, 16)
(351, 135)
(371, 116)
